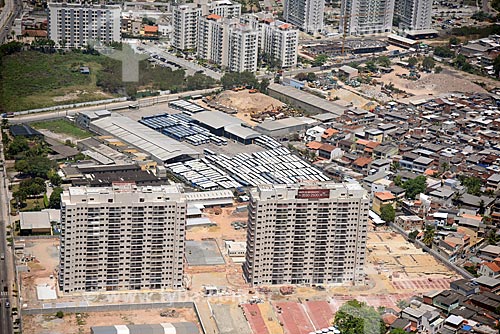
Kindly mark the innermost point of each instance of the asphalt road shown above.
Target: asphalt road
(144, 102)
(5, 277)
(11, 10)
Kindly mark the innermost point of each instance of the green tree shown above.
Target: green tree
(320, 60)
(37, 166)
(311, 76)
(301, 76)
(18, 145)
(55, 198)
(412, 235)
(428, 63)
(454, 41)
(443, 51)
(415, 186)
(33, 187)
(472, 184)
(234, 79)
(60, 314)
(354, 318)
(438, 69)
(384, 61)
(412, 61)
(398, 331)
(428, 236)
(496, 65)
(263, 85)
(387, 213)
(371, 66)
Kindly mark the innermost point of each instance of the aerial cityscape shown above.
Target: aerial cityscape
(250, 166)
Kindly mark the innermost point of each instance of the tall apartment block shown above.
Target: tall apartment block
(122, 238)
(185, 25)
(280, 41)
(306, 234)
(366, 17)
(228, 43)
(307, 15)
(224, 8)
(414, 14)
(76, 25)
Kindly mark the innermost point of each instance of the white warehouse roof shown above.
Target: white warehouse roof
(160, 147)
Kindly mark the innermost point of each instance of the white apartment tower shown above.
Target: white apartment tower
(224, 8)
(122, 238)
(366, 17)
(280, 41)
(77, 25)
(185, 25)
(306, 234)
(414, 14)
(305, 14)
(228, 43)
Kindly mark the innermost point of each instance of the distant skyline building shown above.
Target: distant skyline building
(306, 15)
(413, 14)
(122, 238)
(77, 25)
(306, 234)
(366, 17)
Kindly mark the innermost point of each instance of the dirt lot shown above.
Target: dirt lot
(247, 103)
(46, 259)
(431, 84)
(74, 324)
(391, 255)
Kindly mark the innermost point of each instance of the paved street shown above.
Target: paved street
(147, 101)
(11, 10)
(181, 61)
(6, 261)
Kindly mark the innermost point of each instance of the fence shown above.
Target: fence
(445, 261)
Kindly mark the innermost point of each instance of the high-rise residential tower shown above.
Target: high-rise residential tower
(185, 26)
(364, 17)
(122, 238)
(77, 25)
(414, 14)
(228, 43)
(306, 15)
(306, 234)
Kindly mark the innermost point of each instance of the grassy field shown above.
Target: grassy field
(63, 127)
(35, 80)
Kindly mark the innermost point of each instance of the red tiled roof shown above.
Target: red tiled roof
(214, 17)
(327, 147)
(384, 195)
(493, 266)
(362, 161)
(151, 29)
(314, 145)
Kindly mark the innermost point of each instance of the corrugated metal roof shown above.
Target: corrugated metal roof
(152, 142)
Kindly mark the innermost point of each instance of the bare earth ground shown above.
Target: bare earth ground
(396, 270)
(73, 324)
(247, 103)
(46, 255)
(432, 84)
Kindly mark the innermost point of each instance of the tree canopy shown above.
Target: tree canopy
(320, 60)
(415, 186)
(36, 166)
(55, 198)
(387, 213)
(234, 79)
(356, 317)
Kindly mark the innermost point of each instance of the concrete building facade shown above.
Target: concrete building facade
(185, 26)
(413, 14)
(228, 43)
(76, 25)
(305, 14)
(306, 234)
(122, 238)
(280, 41)
(366, 17)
